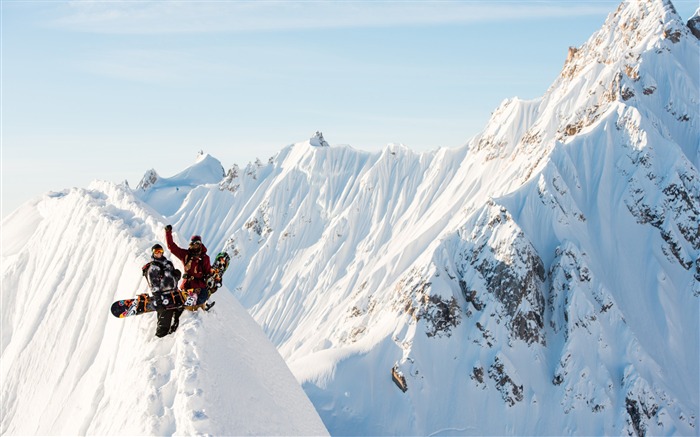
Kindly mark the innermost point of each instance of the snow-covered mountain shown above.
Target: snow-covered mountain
(70, 368)
(542, 279)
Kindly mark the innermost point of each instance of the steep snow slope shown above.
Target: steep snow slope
(70, 367)
(542, 279)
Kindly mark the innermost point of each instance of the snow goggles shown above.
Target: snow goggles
(157, 251)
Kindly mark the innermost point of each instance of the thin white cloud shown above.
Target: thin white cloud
(137, 65)
(162, 67)
(146, 17)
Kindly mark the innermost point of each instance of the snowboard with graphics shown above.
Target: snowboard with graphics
(145, 303)
(217, 272)
(213, 283)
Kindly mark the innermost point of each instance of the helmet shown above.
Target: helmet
(156, 247)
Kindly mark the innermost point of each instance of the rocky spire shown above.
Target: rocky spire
(148, 179)
(317, 140)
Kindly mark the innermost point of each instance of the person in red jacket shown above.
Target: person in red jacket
(197, 266)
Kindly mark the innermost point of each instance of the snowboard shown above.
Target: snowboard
(217, 272)
(145, 303)
(218, 268)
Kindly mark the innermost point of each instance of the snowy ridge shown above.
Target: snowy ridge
(69, 367)
(163, 193)
(542, 279)
(645, 56)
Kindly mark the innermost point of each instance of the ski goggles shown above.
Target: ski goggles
(158, 251)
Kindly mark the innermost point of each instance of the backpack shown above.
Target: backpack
(177, 274)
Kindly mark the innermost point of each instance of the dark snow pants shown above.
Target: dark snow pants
(168, 321)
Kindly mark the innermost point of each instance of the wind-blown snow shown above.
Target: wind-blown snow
(542, 279)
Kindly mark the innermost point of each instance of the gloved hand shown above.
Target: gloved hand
(156, 300)
(168, 228)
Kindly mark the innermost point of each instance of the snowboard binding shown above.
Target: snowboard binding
(218, 268)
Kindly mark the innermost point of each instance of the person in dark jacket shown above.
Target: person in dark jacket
(197, 265)
(162, 278)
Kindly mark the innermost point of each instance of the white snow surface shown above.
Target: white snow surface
(542, 279)
(69, 367)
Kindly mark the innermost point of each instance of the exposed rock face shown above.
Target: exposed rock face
(148, 179)
(439, 314)
(694, 26)
(231, 181)
(500, 261)
(511, 391)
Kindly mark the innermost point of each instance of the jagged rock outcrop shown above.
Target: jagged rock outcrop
(694, 24)
(231, 182)
(439, 314)
(317, 140)
(148, 180)
(497, 263)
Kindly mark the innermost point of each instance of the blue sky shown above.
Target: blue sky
(109, 89)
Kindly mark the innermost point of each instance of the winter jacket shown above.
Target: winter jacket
(197, 265)
(161, 275)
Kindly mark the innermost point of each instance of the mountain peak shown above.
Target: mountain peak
(317, 140)
(636, 26)
(201, 156)
(149, 178)
(205, 170)
(635, 13)
(627, 58)
(166, 194)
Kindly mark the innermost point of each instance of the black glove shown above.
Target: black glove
(168, 228)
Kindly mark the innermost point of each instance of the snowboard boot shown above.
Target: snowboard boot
(163, 327)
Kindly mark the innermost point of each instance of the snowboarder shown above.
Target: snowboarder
(162, 277)
(197, 266)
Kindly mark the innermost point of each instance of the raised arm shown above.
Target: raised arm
(176, 250)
